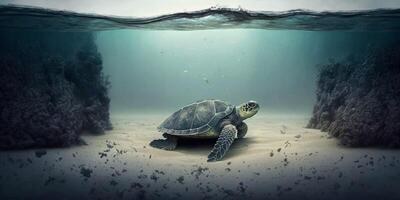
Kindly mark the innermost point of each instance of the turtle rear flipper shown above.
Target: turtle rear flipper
(224, 141)
(169, 143)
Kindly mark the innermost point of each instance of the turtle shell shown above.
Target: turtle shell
(196, 118)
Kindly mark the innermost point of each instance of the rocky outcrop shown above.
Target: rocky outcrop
(51, 89)
(358, 100)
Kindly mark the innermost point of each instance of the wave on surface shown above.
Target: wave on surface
(213, 18)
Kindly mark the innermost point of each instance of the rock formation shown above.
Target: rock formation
(358, 100)
(51, 89)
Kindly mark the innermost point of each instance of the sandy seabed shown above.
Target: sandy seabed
(278, 159)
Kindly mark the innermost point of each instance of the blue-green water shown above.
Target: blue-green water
(160, 70)
(164, 62)
(157, 65)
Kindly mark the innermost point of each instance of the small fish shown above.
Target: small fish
(206, 80)
(185, 71)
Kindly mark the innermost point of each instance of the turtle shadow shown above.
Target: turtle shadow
(239, 147)
(203, 147)
(195, 146)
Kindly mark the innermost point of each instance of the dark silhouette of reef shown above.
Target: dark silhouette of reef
(358, 100)
(51, 89)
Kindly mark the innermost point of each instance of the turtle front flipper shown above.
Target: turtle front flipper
(224, 141)
(168, 144)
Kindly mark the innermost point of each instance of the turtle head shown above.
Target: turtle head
(247, 109)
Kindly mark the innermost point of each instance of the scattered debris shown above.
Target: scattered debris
(40, 153)
(284, 129)
(199, 171)
(102, 154)
(113, 183)
(49, 180)
(86, 172)
(180, 179)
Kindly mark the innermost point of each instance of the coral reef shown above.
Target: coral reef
(358, 100)
(51, 89)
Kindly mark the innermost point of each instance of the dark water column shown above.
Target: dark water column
(358, 100)
(51, 89)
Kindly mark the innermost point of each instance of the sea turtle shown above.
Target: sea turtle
(207, 119)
